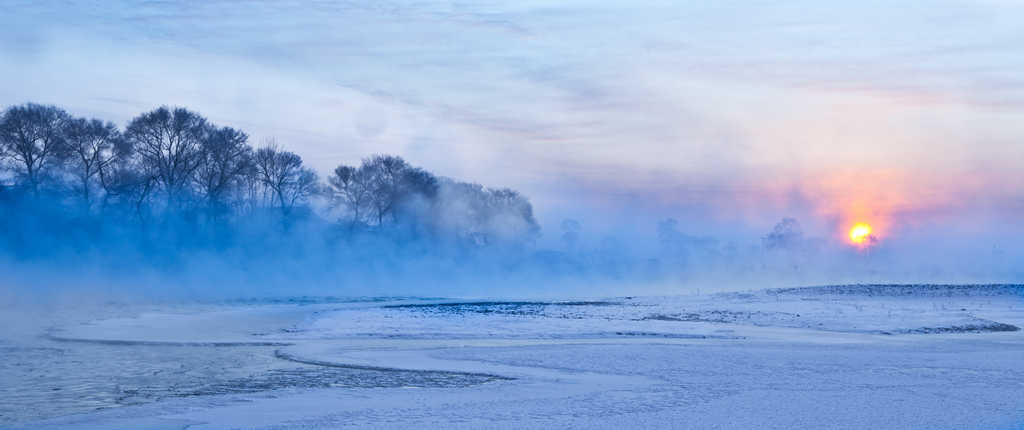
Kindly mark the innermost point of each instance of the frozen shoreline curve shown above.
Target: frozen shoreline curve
(767, 359)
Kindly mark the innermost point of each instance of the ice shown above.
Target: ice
(931, 357)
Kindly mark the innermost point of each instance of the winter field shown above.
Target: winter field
(842, 357)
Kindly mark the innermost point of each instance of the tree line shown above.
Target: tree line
(172, 193)
(172, 163)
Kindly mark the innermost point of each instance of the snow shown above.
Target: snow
(852, 357)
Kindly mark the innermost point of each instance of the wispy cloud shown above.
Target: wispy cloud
(726, 106)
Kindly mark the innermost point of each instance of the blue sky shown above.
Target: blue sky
(725, 114)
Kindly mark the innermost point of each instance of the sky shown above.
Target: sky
(727, 115)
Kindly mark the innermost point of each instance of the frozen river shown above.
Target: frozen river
(45, 375)
(840, 357)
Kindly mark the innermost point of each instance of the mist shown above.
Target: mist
(172, 206)
(511, 214)
(726, 118)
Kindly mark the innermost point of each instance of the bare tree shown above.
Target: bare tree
(125, 182)
(352, 188)
(386, 179)
(31, 138)
(172, 161)
(91, 144)
(283, 174)
(169, 146)
(394, 184)
(223, 160)
(484, 215)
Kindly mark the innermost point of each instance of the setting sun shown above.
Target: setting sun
(860, 233)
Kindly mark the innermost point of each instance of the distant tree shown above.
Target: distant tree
(787, 234)
(126, 187)
(171, 161)
(224, 158)
(125, 183)
(352, 189)
(392, 182)
(168, 144)
(482, 216)
(282, 173)
(463, 210)
(32, 140)
(382, 188)
(513, 214)
(93, 148)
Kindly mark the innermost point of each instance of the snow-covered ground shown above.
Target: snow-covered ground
(935, 357)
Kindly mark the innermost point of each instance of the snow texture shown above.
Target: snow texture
(861, 356)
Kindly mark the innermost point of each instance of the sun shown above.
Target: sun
(860, 233)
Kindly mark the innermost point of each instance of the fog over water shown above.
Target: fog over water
(523, 214)
(658, 145)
